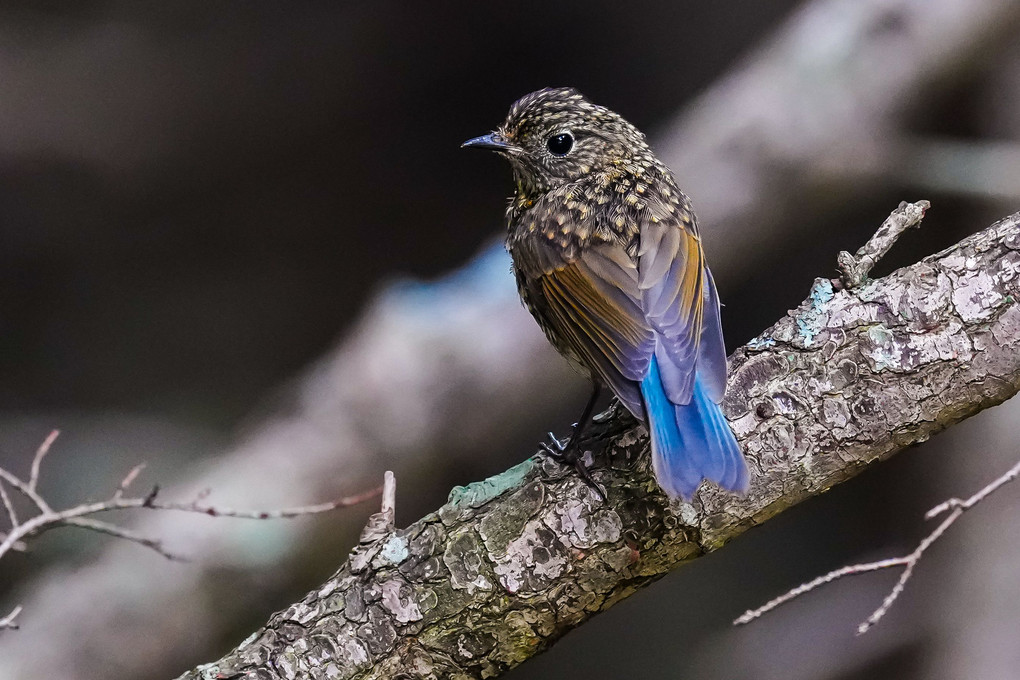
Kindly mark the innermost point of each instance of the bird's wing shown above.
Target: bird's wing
(712, 350)
(614, 310)
(591, 304)
(672, 280)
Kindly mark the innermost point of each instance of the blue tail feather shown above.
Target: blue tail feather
(692, 442)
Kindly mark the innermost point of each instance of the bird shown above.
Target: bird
(608, 258)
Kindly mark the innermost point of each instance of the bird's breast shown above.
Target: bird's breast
(572, 218)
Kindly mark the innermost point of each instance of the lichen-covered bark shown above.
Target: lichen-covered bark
(510, 564)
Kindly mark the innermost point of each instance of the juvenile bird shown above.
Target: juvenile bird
(608, 259)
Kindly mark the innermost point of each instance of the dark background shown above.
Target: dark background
(198, 199)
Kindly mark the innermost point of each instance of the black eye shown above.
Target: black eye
(561, 144)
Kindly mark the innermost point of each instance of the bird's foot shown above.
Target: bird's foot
(568, 454)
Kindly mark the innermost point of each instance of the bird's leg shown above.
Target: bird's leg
(567, 453)
(570, 453)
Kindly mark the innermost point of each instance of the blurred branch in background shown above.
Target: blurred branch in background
(771, 151)
(989, 169)
(511, 564)
(816, 117)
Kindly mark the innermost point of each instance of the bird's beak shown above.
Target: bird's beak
(492, 141)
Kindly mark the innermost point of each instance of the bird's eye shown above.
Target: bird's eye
(561, 144)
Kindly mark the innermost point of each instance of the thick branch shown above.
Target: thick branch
(510, 564)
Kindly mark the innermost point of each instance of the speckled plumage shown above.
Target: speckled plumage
(608, 259)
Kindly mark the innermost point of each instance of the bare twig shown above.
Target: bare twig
(47, 518)
(40, 453)
(12, 514)
(119, 532)
(955, 506)
(128, 479)
(389, 496)
(956, 503)
(381, 523)
(281, 513)
(7, 622)
(854, 268)
(25, 490)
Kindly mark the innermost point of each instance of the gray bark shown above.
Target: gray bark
(510, 564)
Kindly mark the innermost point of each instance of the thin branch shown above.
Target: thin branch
(381, 523)
(955, 503)
(281, 513)
(12, 514)
(25, 490)
(389, 494)
(855, 268)
(46, 518)
(128, 479)
(49, 518)
(7, 622)
(16, 546)
(40, 453)
(908, 562)
(119, 532)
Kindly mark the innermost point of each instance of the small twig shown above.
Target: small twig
(46, 518)
(50, 519)
(119, 532)
(7, 622)
(954, 503)
(281, 513)
(12, 514)
(16, 546)
(381, 523)
(40, 453)
(854, 269)
(128, 479)
(25, 490)
(389, 493)
(908, 562)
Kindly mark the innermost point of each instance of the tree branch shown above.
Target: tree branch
(45, 517)
(908, 562)
(8, 622)
(510, 564)
(854, 269)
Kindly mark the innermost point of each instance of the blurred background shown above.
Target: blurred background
(239, 242)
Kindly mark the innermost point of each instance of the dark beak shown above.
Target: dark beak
(492, 141)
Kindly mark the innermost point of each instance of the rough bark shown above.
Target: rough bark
(510, 564)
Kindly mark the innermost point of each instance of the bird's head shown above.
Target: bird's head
(556, 136)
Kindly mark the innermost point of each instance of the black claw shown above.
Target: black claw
(557, 450)
(569, 455)
(586, 476)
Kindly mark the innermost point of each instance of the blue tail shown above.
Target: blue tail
(690, 443)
